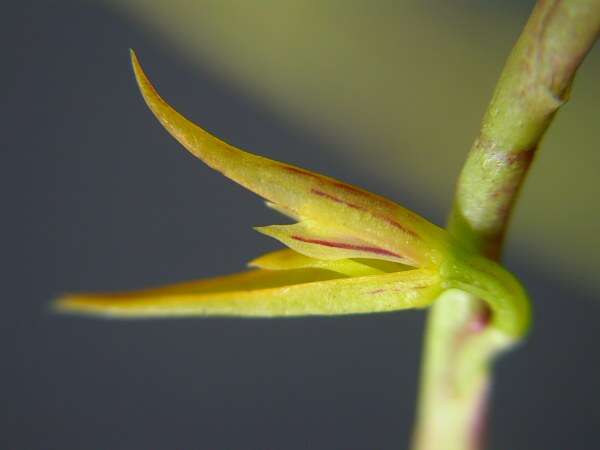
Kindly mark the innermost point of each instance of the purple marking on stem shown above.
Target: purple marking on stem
(481, 320)
(478, 419)
(344, 245)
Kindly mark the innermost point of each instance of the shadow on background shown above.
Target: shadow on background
(98, 196)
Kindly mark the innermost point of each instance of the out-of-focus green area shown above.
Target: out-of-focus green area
(402, 86)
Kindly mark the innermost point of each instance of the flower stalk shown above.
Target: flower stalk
(459, 347)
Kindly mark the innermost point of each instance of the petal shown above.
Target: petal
(316, 241)
(263, 293)
(287, 259)
(304, 194)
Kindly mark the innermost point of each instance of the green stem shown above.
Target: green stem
(534, 84)
(459, 344)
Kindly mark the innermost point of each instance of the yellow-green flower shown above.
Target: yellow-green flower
(350, 251)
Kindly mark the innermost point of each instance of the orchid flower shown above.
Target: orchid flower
(349, 251)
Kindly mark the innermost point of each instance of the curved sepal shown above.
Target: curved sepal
(264, 293)
(304, 194)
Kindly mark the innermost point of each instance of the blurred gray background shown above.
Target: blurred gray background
(97, 196)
